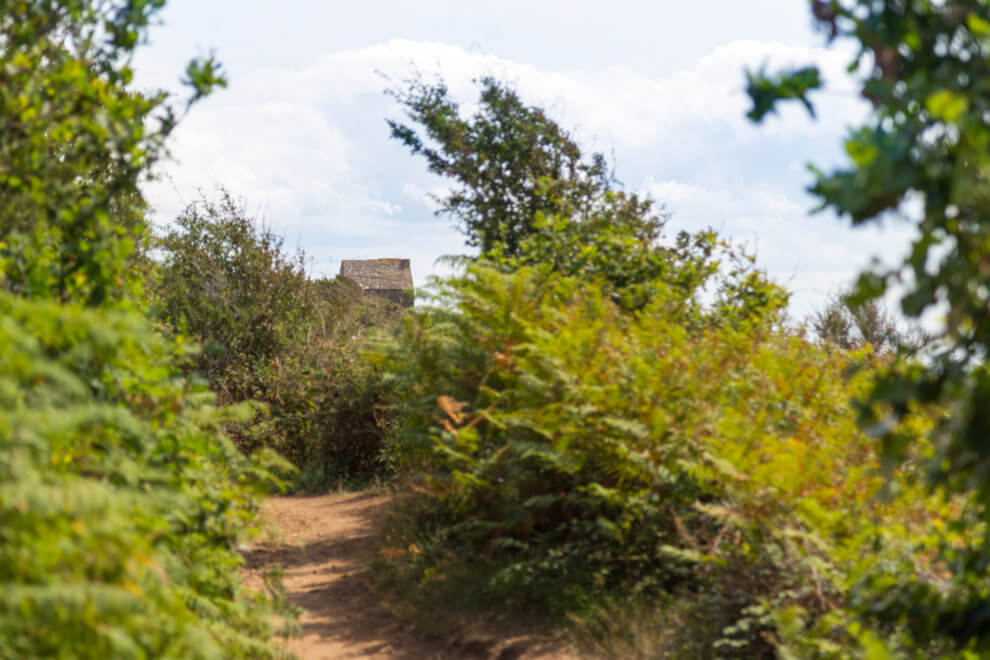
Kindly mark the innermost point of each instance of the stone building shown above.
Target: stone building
(387, 278)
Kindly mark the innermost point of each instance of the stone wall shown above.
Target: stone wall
(398, 296)
(386, 278)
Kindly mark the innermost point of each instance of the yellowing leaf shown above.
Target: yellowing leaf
(862, 153)
(452, 407)
(718, 512)
(133, 587)
(390, 554)
(946, 105)
(978, 25)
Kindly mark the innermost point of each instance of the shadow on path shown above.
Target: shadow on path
(324, 545)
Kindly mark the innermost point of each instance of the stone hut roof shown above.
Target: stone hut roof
(391, 278)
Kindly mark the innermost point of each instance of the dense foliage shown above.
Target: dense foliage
(230, 282)
(74, 141)
(594, 414)
(591, 412)
(122, 504)
(569, 450)
(621, 246)
(924, 69)
(275, 337)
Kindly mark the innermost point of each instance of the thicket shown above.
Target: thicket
(569, 452)
(122, 504)
(603, 415)
(279, 339)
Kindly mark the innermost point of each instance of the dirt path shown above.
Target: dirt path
(323, 550)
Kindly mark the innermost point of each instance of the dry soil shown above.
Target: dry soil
(324, 547)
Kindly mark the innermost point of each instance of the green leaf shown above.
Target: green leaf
(946, 105)
(766, 90)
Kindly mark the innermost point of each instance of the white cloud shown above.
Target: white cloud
(614, 103)
(310, 146)
(423, 195)
(387, 208)
(277, 154)
(813, 255)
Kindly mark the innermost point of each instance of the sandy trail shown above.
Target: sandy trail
(324, 549)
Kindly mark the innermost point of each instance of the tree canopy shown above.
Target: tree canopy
(510, 162)
(69, 120)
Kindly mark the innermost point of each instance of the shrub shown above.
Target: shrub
(569, 451)
(275, 337)
(228, 280)
(122, 506)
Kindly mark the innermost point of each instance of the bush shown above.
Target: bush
(122, 506)
(228, 280)
(569, 452)
(275, 337)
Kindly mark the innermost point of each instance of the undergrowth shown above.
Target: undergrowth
(279, 339)
(569, 454)
(122, 505)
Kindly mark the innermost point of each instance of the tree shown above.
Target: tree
(510, 162)
(228, 281)
(925, 69)
(70, 121)
(848, 325)
(527, 196)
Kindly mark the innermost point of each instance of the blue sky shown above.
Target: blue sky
(300, 134)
